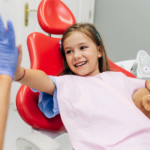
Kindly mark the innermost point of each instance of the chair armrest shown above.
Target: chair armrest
(36, 141)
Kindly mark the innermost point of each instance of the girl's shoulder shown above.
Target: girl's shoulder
(110, 74)
(103, 73)
(66, 77)
(113, 73)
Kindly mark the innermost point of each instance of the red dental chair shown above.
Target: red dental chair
(54, 18)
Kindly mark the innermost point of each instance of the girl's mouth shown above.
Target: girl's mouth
(80, 64)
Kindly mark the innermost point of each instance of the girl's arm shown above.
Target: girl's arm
(35, 79)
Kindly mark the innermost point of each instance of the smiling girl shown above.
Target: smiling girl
(82, 46)
(95, 103)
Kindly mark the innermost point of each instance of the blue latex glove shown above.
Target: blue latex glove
(8, 50)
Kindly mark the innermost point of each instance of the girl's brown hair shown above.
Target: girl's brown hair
(90, 31)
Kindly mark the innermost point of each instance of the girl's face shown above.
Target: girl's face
(82, 54)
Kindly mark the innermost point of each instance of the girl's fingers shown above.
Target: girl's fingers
(19, 58)
(19, 54)
(19, 49)
(19, 46)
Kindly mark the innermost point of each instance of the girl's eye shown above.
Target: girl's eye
(82, 47)
(68, 52)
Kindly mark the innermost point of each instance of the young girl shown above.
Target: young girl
(95, 103)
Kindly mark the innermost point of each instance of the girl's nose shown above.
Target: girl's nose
(77, 54)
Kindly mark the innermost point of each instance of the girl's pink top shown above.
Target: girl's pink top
(99, 114)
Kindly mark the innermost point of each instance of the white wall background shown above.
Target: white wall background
(124, 26)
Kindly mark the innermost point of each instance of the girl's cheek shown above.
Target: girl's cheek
(68, 60)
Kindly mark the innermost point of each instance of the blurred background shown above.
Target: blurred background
(123, 24)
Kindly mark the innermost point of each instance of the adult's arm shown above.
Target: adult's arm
(5, 85)
(8, 63)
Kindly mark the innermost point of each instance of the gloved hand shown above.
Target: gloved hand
(8, 50)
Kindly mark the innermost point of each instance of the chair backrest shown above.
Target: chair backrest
(54, 18)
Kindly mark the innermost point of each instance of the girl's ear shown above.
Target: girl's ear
(100, 50)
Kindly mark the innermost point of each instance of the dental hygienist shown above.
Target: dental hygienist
(8, 63)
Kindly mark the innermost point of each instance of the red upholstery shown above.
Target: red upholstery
(54, 16)
(45, 55)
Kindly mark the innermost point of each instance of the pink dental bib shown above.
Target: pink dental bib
(98, 112)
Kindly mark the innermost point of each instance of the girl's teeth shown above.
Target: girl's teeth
(80, 64)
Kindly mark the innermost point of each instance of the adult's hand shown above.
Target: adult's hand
(8, 49)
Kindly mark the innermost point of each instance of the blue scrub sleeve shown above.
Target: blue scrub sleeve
(48, 104)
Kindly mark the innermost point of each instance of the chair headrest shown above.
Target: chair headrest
(54, 16)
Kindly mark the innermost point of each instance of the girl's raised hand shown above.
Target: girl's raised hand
(18, 68)
(8, 49)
